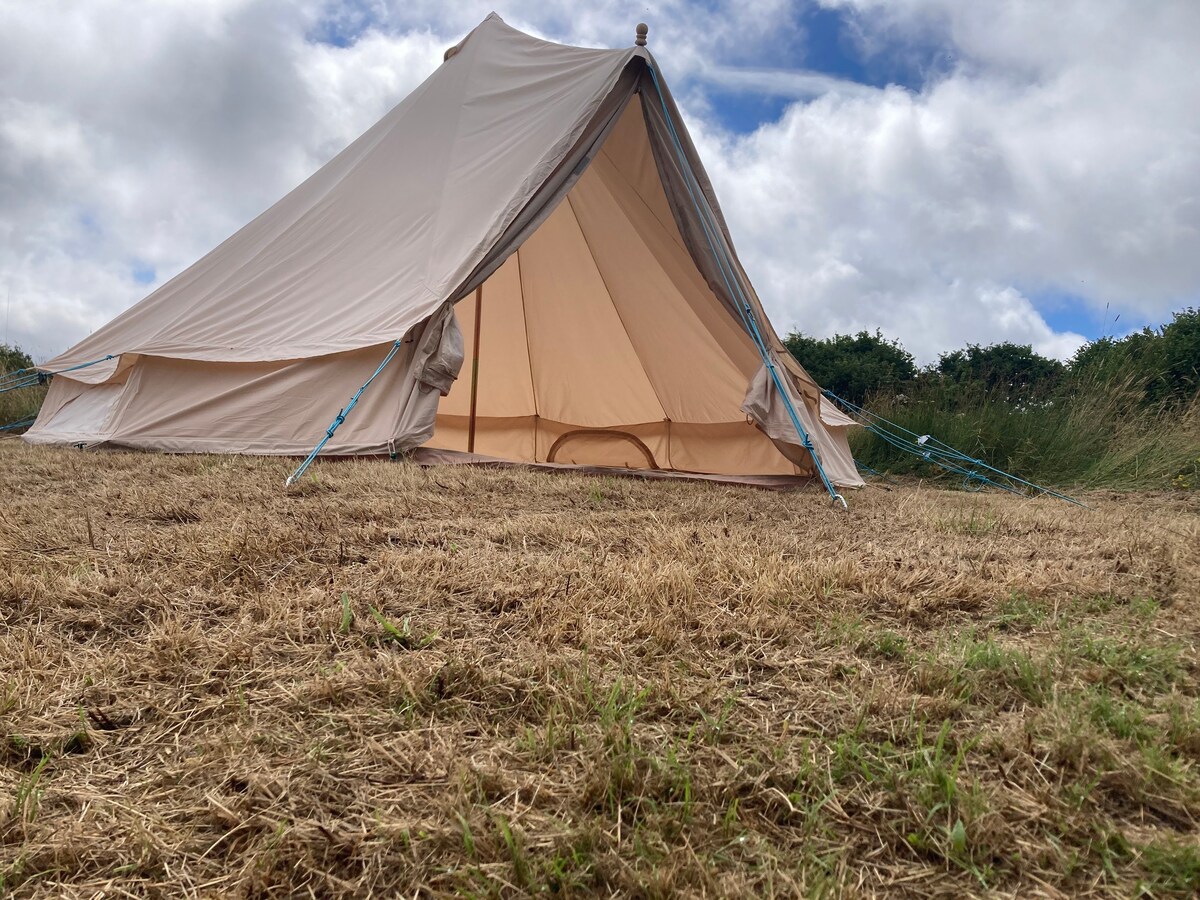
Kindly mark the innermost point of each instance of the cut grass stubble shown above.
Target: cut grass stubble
(502, 682)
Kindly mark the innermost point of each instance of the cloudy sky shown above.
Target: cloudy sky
(948, 172)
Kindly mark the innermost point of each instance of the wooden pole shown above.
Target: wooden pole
(475, 369)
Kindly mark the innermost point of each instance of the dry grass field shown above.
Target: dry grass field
(504, 682)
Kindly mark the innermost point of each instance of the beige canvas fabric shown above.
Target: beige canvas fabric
(391, 227)
(764, 405)
(185, 406)
(529, 187)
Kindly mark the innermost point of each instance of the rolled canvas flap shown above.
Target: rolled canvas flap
(429, 374)
(834, 417)
(763, 405)
(441, 353)
(768, 411)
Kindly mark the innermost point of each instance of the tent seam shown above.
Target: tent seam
(620, 318)
(674, 237)
(528, 350)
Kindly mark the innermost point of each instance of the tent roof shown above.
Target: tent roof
(394, 225)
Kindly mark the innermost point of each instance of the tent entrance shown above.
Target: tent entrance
(598, 341)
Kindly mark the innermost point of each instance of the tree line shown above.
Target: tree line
(1162, 363)
(1122, 412)
(13, 359)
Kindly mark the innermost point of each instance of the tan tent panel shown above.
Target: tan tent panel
(534, 217)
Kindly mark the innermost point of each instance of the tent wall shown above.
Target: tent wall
(185, 406)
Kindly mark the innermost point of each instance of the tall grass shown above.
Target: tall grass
(1096, 434)
(18, 405)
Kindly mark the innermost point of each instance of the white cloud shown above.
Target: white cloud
(799, 84)
(1060, 152)
(136, 136)
(876, 212)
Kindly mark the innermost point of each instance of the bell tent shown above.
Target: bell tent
(534, 215)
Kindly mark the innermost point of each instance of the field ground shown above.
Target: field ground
(496, 682)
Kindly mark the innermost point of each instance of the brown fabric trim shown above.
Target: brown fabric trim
(623, 435)
(427, 457)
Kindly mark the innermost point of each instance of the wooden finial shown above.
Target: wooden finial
(642, 30)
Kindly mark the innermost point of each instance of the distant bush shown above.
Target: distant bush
(1011, 371)
(13, 358)
(854, 366)
(1165, 362)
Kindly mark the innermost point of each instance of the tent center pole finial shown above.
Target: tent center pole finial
(642, 30)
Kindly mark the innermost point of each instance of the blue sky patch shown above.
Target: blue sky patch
(743, 112)
(831, 46)
(1071, 312)
(834, 48)
(144, 273)
(342, 27)
(88, 222)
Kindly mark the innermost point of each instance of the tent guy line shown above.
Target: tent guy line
(23, 378)
(341, 416)
(744, 308)
(940, 454)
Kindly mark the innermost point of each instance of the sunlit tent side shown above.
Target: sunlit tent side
(532, 215)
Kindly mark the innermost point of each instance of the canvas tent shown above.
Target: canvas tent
(535, 209)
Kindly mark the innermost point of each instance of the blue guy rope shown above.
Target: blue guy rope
(944, 456)
(865, 468)
(733, 285)
(23, 378)
(341, 416)
(23, 423)
(24, 383)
